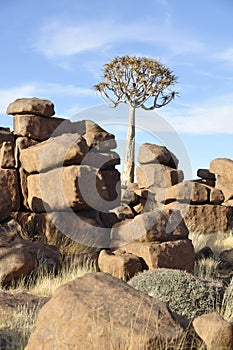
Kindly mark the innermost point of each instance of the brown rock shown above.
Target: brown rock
(5, 205)
(173, 255)
(37, 127)
(112, 313)
(123, 212)
(6, 136)
(67, 149)
(98, 138)
(101, 160)
(7, 158)
(225, 186)
(228, 203)
(214, 331)
(205, 182)
(215, 196)
(205, 174)
(71, 232)
(222, 167)
(152, 153)
(9, 182)
(158, 226)
(204, 218)
(154, 176)
(227, 256)
(119, 264)
(44, 108)
(77, 187)
(186, 192)
(21, 257)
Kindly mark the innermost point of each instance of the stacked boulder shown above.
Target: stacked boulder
(223, 168)
(10, 198)
(199, 201)
(55, 178)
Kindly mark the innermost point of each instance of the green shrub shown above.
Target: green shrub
(185, 294)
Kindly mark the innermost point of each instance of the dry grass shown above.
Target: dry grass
(14, 333)
(217, 241)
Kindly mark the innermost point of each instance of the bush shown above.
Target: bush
(185, 294)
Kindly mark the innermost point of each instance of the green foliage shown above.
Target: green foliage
(185, 294)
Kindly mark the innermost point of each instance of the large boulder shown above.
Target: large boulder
(225, 186)
(37, 106)
(204, 218)
(77, 187)
(66, 149)
(111, 313)
(37, 127)
(119, 264)
(216, 332)
(222, 167)
(7, 157)
(172, 255)
(20, 258)
(152, 153)
(155, 176)
(10, 188)
(72, 233)
(159, 226)
(186, 192)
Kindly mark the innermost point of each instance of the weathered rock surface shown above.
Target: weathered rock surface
(204, 218)
(10, 188)
(36, 127)
(37, 106)
(152, 153)
(7, 158)
(67, 149)
(101, 160)
(20, 258)
(77, 187)
(112, 313)
(119, 264)
(215, 331)
(227, 256)
(154, 176)
(173, 254)
(222, 167)
(71, 232)
(225, 186)
(160, 226)
(205, 174)
(98, 138)
(186, 192)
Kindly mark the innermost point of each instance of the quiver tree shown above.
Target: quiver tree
(139, 82)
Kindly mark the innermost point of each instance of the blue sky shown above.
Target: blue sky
(56, 50)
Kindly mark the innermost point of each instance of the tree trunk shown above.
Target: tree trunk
(128, 166)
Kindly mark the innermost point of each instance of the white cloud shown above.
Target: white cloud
(59, 39)
(40, 90)
(226, 55)
(205, 119)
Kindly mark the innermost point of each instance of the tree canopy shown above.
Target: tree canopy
(138, 81)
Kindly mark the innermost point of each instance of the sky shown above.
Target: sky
(56, 50)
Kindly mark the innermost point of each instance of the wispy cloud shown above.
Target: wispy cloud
(59, 39)
(206, 119)
(40, 90)
(226, 55)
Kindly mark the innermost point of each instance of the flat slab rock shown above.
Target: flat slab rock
(111, 313)
(34, 105)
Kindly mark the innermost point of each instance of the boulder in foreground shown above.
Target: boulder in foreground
(110, 315)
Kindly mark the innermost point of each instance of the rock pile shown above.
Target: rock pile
(197, 200)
